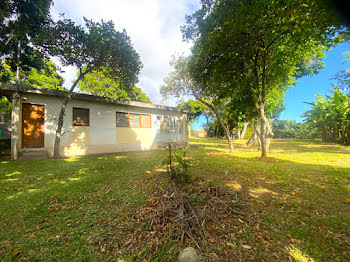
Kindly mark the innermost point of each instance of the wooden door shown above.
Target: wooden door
(33, 117)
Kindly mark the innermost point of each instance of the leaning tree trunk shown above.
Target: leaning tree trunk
(255, 137)
(207, 126)
(238, 133)
(221, 123)
(56, 151)
(245, 126)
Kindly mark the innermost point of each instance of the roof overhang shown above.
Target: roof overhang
(8, 89)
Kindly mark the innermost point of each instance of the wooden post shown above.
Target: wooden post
(15, 126)
(15, 110)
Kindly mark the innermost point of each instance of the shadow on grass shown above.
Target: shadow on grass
(294, 203)
(302, 206)
(311, 146)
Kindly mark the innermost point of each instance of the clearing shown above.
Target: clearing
(293, 205)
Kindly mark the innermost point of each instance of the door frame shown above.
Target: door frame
(35, 104)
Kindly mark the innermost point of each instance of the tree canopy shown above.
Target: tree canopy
(94, 48)
(194, 108)
(98, 83)
(22, 22)
(258, 47)
(330, 116)
(45, 77)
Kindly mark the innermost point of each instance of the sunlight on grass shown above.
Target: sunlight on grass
(160, 170)
(301, 199)
(72, 159)
(15, 195)
(11, 179)
(14, 173)
(234, 185)
(298, 255)
(4, 162)
(119, 157)
(258, 192)
(56, 181)
(74, 178)
(83, 171)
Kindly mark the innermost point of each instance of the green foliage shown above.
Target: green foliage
(293, 129)
(331, 116)
(5, 108)
(94, 48)
(45, 77)
(252, 50)
(178, 166)
(343, 79)
(98, 83)
(22, 21)
(194, 108)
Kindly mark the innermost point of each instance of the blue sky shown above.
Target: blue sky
(308, 86)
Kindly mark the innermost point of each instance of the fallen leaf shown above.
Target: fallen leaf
(246, 247)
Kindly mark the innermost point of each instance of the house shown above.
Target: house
(200, 133)
(92, 124)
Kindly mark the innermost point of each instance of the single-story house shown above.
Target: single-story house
(200, 133)
(92, 124)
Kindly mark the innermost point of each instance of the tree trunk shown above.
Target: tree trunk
(238, 133)
(263, 131)
(226, 129)
(207, 126)
(56, 152)
(255, 137)
(245, 126)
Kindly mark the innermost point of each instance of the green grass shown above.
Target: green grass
(76, 209)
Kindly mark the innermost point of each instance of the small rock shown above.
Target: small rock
(189, 254)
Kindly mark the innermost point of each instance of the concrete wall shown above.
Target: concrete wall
(102, 136)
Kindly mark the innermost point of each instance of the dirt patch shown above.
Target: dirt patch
(267, 159)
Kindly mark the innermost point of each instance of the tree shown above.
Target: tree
(194, 108)
(95, 48)
(45, 77)
(98, 83)
(179, 83)
(343, 79)
(20, 24)
(257, 47)
(331, 117)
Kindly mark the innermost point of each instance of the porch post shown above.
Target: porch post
(15, 126)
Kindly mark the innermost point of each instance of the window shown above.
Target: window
(122, 119)
(170, 125)
(133, 120)
(145, 121)
(81, 117)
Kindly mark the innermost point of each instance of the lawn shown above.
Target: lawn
(292, 206)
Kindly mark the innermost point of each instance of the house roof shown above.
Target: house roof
(8, 89)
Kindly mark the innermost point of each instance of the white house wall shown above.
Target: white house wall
(102, 136)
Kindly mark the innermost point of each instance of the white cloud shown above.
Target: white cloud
(154, 28)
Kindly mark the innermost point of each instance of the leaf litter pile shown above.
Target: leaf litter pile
(208, 218)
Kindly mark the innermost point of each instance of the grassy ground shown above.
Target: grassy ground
(76, 209)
